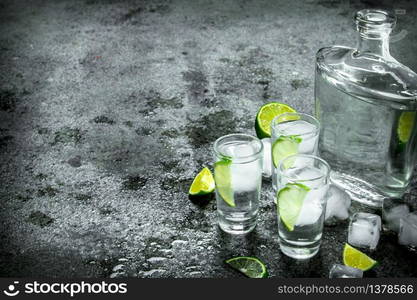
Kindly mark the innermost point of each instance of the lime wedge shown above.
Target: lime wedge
(265, 116)
(252, 267)
(356, 259)
(283, 147)
(405, 126)
(223, 178)
(290, 200)
(203, 183)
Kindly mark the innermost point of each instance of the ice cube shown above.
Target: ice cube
(300, 162)
(228, 150)
(408, 230)
(392, 211)
(308, 145)
(305, 131)
(338, 203)
(243, 150)
(364, 230)
(246, 176)
(341, 271)
(267, 164)
(309, 175)
(298, 127)
(312, 207)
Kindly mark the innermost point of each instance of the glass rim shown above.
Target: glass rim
(244, 157)
(315, 122)
(313, 157)
(381, 18)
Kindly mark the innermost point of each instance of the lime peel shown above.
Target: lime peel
(290, 201)
(203, 183)
(405, 126)
(283, 147)
(354, 258)
(265, 116)
(250, 266)
(223, 179)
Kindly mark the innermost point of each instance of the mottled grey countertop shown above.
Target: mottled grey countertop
(108, 109)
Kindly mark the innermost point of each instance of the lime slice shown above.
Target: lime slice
(203, 183)
(223, 178)
(405, 126)
(252, 267)
(266, 114)
(356, 259)
(290, 200)
(283, 147)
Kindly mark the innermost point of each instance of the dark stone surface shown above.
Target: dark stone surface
(108, 109)
(40, 219)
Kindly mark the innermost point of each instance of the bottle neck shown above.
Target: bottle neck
(377, 45)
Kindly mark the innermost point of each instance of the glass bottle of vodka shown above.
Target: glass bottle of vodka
(366, 102)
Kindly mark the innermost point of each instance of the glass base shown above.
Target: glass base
(299, 252)
(364, 192)
(233, 226)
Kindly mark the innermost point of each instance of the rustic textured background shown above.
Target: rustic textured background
(108, 109)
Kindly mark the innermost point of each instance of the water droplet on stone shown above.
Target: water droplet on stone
(156, 259)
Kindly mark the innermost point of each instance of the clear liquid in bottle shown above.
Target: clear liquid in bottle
(366, 102)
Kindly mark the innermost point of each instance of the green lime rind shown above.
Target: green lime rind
(260, 133)
(405, 126)
(354, 258)
(203, 183)
(250, 266)
(265, 116)
(223, 179)
(290, 200)
(283, 147)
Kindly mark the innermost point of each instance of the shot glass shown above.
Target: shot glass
(292, 133)
(301, 204)
(238, 176)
